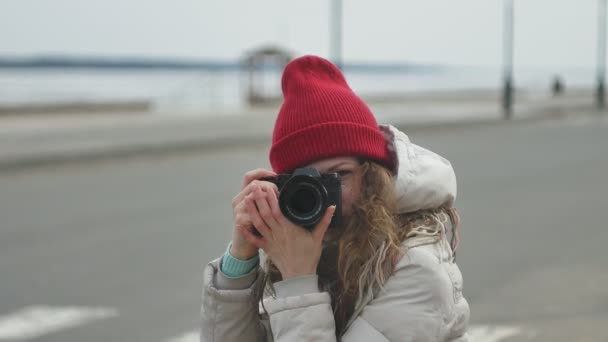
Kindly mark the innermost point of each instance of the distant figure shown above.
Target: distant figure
(558, 86)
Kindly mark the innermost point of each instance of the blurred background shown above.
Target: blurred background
(126, 127)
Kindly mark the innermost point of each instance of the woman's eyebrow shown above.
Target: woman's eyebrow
(337, 166)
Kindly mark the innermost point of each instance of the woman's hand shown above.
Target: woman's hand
(294, 250)
(241, 247)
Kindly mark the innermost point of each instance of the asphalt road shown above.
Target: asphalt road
(113, 250)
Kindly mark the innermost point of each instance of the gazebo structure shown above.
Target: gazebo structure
(256, 63)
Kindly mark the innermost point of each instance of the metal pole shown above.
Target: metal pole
(335, 42)
(508, 39)
(601, 55)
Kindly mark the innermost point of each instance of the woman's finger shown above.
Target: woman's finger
(269, 187)
(275, 209)
(240, 197)
(256, 219)
(253, 239)
(241, 218)
(256, 174)
(261, 201)
(322, 226)
(266, 186)
(251, 188)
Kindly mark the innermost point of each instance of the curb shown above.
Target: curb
(202, 143)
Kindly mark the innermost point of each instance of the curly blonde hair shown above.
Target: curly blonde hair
(357, 265)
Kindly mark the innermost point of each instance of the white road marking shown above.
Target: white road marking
(190, 336)
(36, 321)
(488, 333)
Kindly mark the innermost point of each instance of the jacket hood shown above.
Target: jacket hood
(423, 179)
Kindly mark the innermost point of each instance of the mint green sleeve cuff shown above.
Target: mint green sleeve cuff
(233, 267)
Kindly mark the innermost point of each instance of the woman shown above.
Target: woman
(385, 273)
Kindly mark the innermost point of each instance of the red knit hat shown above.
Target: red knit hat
(321, 117)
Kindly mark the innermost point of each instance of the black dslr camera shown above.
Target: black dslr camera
(305, 195)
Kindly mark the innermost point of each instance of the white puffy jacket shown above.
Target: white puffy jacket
(421, 301)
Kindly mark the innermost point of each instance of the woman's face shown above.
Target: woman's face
(349, 170)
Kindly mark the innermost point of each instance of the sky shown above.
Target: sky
(453, 32)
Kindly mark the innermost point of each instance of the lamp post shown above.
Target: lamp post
(600, 100)
(508, 38)
(335, 41)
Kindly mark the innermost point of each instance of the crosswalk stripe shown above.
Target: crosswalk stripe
(36, 321)
(190, 336)
(487, 333)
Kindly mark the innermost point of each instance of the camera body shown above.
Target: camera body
(305, 195)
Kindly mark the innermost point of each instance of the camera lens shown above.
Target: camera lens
(304, 202)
